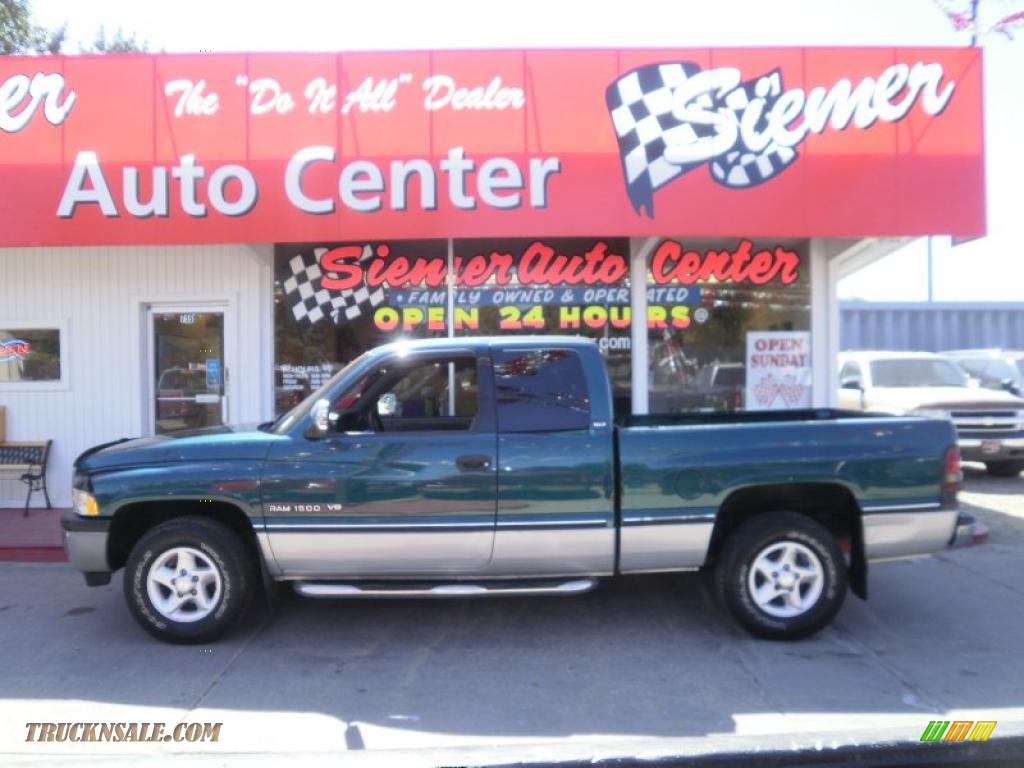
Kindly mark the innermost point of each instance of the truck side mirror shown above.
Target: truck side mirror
(320, 420)
(851, 383)
(387, 405)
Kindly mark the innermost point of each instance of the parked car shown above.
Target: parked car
(993, 368)
(989, 423)
(511, 478)
(176, 392)
(722, 384)
(716, 386)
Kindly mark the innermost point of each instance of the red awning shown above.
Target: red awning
(819, 142)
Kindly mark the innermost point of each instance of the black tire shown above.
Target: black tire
(217, 546)
(1004, 468)
(733, 573)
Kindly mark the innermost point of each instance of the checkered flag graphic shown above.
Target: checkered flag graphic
(641, 105)
(310, 302)
(741, 166)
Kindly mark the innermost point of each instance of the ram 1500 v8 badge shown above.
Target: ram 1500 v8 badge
(494, 466)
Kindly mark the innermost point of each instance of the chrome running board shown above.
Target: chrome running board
(433, 589)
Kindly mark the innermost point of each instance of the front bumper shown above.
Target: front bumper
(995, 448)
(85, 542)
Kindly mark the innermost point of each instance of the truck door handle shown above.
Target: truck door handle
(471, 462)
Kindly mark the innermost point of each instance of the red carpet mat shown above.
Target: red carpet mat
(36, 538)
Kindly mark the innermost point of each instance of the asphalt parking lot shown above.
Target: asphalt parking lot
(642, 666)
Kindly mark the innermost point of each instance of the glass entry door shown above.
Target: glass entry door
(189, 375)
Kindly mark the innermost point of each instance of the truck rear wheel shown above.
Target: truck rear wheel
(782, 576)
(186, 580)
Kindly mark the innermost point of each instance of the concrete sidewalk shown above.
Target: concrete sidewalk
(642, 667)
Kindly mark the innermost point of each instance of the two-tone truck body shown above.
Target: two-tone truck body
(495, 466)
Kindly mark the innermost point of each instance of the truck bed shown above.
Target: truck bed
(677, 471)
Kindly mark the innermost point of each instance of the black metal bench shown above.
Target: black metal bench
(28, 460)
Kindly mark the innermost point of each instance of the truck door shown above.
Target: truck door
(556, 506)
(405, 483)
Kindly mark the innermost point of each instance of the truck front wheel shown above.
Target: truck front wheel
(186, 580)
(781, 575)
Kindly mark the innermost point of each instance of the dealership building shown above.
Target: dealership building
(193, 240)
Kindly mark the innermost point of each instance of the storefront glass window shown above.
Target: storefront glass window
(571, 286)
(332, 302)
(319, 326)
(188, 353)
(728, 320)
(735, 334)
(30, 355)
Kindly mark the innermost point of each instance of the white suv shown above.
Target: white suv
(989, 423)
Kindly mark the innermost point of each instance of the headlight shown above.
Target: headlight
(933, 413)
(84, 503)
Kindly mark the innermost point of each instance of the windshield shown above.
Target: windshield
(288, 420)
(913, 372)
(991, 370)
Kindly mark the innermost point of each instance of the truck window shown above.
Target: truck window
(540, 390)
(434, 394)
(916, 372)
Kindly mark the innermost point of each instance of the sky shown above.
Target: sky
(988, 269)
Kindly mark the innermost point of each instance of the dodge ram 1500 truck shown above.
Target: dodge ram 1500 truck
(494, 466)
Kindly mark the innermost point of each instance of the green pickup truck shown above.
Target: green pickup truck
(495, 466)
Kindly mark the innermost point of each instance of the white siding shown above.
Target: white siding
(98, 295)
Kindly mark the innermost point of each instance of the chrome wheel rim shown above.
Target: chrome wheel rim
(786, 579)
(184, 584)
